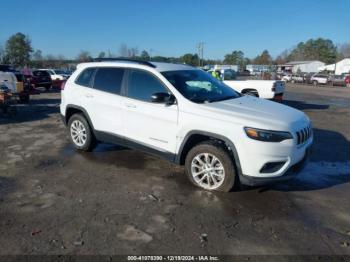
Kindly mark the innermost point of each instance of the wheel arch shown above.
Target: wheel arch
(195, 137)
(74, 109)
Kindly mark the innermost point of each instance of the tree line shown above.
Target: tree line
(18, 51)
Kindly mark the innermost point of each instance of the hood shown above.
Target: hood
(258, 113)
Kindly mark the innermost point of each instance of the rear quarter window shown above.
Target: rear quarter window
(85, 77)
(109, 79)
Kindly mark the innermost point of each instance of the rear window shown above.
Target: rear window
(41, 73)
(84, 79)
(109, 79)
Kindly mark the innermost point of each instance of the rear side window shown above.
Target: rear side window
(85, 77)
(109, 79)
(142, 85)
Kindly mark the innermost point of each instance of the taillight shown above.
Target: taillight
(63, 85)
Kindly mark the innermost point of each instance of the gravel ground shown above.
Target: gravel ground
(54, 200)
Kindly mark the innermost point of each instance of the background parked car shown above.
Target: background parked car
(55, 74)
(286, 78)
(297, 79)
(41, 78)
(347, 81)
(337, 80)
(319, 79)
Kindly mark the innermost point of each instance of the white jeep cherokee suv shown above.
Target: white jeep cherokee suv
(186, 116)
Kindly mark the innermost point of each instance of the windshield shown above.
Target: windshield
(199, 87)
(59, 72)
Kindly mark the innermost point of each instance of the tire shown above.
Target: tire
(315, 83)
(47, 87)
(225, 175)
(86, 140)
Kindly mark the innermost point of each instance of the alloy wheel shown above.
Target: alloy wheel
(78, 133)
(207, 171)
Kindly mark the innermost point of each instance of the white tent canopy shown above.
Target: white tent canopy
(341, 67)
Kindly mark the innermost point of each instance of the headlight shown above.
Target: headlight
(267, 135)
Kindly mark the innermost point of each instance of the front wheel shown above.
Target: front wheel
(315, 83)
(80, 133)
(209, 166)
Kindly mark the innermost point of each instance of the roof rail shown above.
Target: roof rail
(141, 62)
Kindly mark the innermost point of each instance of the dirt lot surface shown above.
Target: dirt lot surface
(54, 200)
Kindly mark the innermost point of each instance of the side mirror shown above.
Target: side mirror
(164, 98)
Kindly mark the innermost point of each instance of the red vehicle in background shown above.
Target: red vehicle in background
(347, 81)
(38, 78)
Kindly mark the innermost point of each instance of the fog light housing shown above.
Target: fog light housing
(272, 167)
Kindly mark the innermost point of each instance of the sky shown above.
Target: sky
(174, 27)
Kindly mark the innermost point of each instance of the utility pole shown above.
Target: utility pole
(200, 48)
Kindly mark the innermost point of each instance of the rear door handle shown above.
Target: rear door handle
(130, 105)
(89, 96)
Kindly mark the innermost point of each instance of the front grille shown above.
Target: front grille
(303, 135)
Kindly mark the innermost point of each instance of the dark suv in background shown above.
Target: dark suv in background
(41, 78)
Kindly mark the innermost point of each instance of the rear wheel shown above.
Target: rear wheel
(315, 83)
(209, 166)
(80, 133)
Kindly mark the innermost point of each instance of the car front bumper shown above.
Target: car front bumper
(291, 172)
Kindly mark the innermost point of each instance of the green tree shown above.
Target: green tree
(235, 58)
(263, 59)
(190, 59)
(145, 56)
(18, 49)
(84, 56)
(102, 55)
(315, 49)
